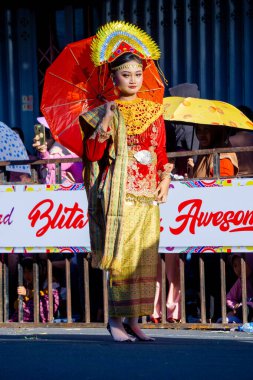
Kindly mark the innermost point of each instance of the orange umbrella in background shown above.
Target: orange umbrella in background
(204, 111)
(73, 85)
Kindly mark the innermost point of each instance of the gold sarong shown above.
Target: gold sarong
(132, 291)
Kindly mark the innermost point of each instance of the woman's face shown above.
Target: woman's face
(237, 267)
(205, 135)
(28, 275)
(129, 80)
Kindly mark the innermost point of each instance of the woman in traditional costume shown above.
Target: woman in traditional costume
(127, 175)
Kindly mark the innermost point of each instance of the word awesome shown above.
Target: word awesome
(229, 221)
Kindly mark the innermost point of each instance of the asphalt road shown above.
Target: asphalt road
(90, 354)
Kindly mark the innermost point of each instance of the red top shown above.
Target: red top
(142, 179)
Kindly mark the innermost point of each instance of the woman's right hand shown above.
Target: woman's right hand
(36, 144)
(190, 167)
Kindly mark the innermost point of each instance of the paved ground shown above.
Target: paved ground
(90, 354)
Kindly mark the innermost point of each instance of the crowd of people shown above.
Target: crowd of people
(129, 154)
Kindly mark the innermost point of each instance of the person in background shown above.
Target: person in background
(179, 137)
(234, 296)
(27, 292)
(211, 136)
(19, 176)
(184, 133)
(173, 306)
(71, 171)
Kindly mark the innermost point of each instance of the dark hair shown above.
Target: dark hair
(27, 263)
(220, 135)
(124, 58)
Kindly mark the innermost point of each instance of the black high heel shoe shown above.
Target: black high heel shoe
(130, 331)
(120, 341)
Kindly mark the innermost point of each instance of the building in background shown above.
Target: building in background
(208, 42)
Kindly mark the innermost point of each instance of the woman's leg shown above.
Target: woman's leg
(173, 298)
(156, 315)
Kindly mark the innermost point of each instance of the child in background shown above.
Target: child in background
(14, 176)
(234, 296)
(71, 171)
(27, 292)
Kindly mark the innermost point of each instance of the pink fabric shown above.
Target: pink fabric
(44, 305)
(173, 297)
(28, 308)
(234, 296)
(72, 168)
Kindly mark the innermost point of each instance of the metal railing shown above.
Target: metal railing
(85, 319)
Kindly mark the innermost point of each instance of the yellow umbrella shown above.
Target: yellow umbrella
(204, 111)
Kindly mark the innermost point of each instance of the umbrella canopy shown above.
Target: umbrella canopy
(73, 85)
(204, 111)
(12, 148)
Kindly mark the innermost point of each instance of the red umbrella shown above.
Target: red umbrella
(73, 85)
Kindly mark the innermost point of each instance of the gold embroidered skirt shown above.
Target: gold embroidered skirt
(132, 292)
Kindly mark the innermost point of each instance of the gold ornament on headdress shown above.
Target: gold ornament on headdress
(127, 66)
(118, 37)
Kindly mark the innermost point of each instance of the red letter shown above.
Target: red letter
(191, 216)
(36, 215)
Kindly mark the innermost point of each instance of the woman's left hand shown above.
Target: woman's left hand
(161, 192)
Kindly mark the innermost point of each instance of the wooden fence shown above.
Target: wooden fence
(85, 318)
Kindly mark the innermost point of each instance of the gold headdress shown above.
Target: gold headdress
(118, 37)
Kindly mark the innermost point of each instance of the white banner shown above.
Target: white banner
(217, 213)
(199, 215)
